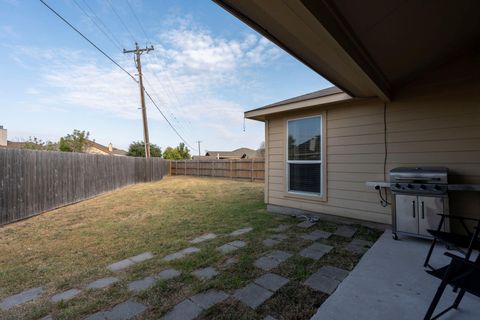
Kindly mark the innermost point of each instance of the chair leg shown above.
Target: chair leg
(435, 300)
(427, 260)
(459, 298)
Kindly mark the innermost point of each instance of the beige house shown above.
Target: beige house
(407, 93)
(97, 148)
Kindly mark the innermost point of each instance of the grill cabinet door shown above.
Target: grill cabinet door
(428, 210)
(406, 213)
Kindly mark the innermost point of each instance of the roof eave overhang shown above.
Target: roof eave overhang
(263, 113)
(326, 48)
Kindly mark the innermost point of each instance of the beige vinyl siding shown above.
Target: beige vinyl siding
(440, 128)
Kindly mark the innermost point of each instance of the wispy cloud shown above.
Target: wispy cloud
(187, 72)
(7, 31)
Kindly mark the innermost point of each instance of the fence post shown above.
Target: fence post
(185, 170)
(213, 168)
(170, 168)
(198, 168)
(231, 172)
(251, 172)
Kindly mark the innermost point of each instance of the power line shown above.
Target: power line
(181, 126)
(156, 95)
(168, 121)
(136, 18)
(101, 22)
(118, 65)
(170, 93)
(89, 41)
(121, 20)
(98, 27)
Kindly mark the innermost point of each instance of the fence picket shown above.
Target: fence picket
(32, 182)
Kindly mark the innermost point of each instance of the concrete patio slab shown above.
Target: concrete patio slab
(120, 265)
(241, 231)
(271, 260)
(319, 282)
(231, 246)
(345, 231)
(140, 285)
(167, 274)
(315, 251)
(266, 263)
(205, 273)
(252, 295)
(279, 255)
(48, 317)
(281, 228)
(185, 310)
(238, 244)
(22, 297)
(190, 250)
(173, 256)
(142, 257)
(180, 254)
(209, 298)
(271, 281)
(269, 318)
(65, 296)
(226, 248)
(358, 246)
(280, 236)
(203, 237)
(333, 272)
(269, 242)
(102, 283)
(123, 311)
(317, 234)
(389, 282)
(306, 224)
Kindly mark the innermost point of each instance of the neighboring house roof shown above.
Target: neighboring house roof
(107, 149)
(240, 153)
(320, 97)
(15, 144)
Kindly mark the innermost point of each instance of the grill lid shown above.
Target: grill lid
(422, 174)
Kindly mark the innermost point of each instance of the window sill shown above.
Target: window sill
(306, 196)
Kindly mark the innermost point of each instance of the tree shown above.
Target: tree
(33, 143)
(171, 154)
(75, 142)
(137, 149)
(180, 152)
(183, 150)
(261, 150)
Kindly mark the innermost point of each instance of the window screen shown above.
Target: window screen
(304, 159)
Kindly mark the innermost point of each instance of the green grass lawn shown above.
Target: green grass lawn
(70, 247)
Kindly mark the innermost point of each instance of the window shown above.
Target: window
(304, 155)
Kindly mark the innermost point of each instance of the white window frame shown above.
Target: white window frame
(320, 162)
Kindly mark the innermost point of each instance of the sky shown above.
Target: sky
(207, 69)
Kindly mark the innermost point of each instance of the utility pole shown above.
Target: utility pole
(138, 52)
(198, 142)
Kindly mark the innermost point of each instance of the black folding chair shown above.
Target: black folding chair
(460, 273)
(468, 240)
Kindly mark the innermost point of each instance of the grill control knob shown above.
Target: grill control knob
(437, 187)
(409, 186)
(397, 185)
(423, 187)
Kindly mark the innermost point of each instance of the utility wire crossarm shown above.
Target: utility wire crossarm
(138, 53)
(142, 88)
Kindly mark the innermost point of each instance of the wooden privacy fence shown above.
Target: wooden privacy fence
(32, 182)
(253, 169)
